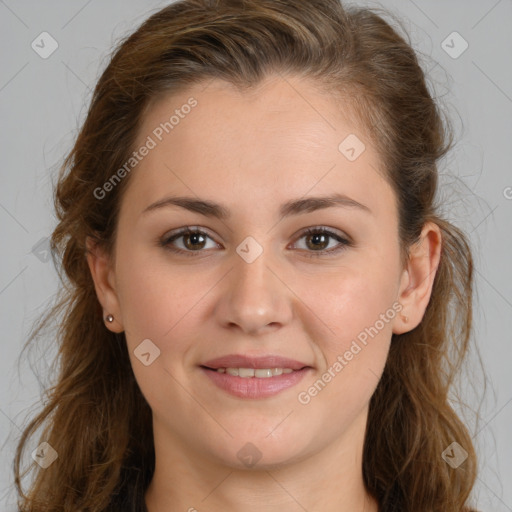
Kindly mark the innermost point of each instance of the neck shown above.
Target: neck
(187, 480)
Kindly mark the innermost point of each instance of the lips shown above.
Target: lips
(260, 362)
(254, 377)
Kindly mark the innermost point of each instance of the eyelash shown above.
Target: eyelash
(344, 243)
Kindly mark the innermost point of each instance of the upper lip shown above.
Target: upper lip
(241, 361)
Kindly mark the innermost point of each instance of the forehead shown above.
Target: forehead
(276, 141)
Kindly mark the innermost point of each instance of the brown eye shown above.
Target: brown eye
(318, 239)
(317, 242)
(193, 240)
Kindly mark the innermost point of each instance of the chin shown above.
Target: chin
(263, 453)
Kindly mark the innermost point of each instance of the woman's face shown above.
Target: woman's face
(252, 283)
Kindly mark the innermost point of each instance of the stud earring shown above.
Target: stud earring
(405, 319)
(109, 318)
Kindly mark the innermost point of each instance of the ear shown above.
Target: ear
(103, 276)
(417, 278)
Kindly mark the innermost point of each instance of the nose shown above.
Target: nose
(255, 298)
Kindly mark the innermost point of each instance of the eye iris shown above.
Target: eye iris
(316, 237)
(194, 244)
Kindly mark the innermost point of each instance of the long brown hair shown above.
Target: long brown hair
(95, 416)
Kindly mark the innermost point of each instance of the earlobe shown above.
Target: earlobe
(104, 283)
(418, 278)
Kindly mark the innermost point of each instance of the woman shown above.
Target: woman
(262, 297)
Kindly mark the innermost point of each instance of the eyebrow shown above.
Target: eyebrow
(294, 207)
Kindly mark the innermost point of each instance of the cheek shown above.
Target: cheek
(351, 302)
(357, 308)
(160, 303)
(155, 296)
(356, 303)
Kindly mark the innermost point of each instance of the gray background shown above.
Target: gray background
(43, 101)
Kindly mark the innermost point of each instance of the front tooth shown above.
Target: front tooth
(263, 373)
(246, 372)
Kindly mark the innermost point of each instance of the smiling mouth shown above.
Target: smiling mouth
(255, 383)
(258, 373)
(254, 376)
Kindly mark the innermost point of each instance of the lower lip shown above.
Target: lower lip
(254, 387)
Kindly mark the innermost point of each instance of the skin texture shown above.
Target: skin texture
(253, 151)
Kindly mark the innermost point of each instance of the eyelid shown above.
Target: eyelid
(177, 233)
(333, 232)
(343, 239)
